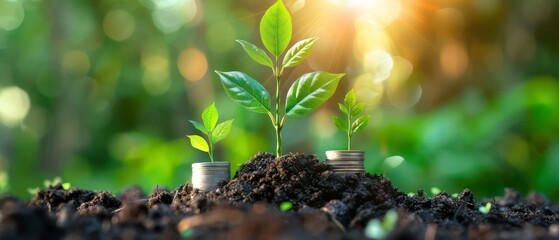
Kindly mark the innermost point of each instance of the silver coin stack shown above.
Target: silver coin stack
(207, 176)
(346, 161)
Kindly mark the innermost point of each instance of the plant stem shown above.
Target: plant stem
(349, 128)
(278, 124)
(211, 150)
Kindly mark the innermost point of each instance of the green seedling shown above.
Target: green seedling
(485, 209)
(454, 195)
(351, 108)
(286, 206)
(307, 92)
(50, 183)
(377, 229)
(213, 131)
(435, 190)
(4, 182)
(411, 194)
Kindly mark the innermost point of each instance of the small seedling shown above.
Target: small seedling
(4, 182)
(411, 194)
(306, 94)
(435, 190)
(454, 195)
(351, 108)
(376, 229)
(50, 183)
(286, 206)
(213, 131)
(485, 209)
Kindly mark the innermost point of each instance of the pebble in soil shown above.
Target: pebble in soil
(325, 206)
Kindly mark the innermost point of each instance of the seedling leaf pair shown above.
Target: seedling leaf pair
(351, 108)
(377, 229)
(306, 94)
(215, 132)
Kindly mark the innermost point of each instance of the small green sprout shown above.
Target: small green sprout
(411, 194)
(435, 190)
(376, 229)
(305, 94)
(214, 132)
(57, 180)
(4, 184)
(50, 183)
(187, 233)
(351, 108)
(485, 209)
(286, 206)
(455, 195)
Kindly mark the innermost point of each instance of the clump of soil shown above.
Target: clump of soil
(326, 205)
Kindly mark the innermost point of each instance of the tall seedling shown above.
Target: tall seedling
(306, 94)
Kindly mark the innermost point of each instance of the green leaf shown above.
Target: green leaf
(360, 123)
(349, 99)
(256, 53)
(33, 191)
(199, 143)
(343, 108)
(221, 131)
(246, 91)
(340, 123)
(357, 109)
(209, 117)
(286, 206)
(298, 52)
(199, 126)
(66, 186)
(275, 28)
(310, 91)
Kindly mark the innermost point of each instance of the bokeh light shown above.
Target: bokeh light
(14, 105)
(76, 62)
(192, 64)
(12, 14)
(119, 24)
(454, 59)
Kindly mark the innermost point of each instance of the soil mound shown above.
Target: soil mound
(326, 205)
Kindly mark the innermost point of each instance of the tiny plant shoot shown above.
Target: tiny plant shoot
(377, 229)
(286, 206)
(306, 94)
(209, 127)
(351, 108)
(485, 209)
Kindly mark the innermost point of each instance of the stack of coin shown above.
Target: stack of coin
(346, 161)
(207, 176)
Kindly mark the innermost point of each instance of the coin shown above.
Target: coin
(208, 176)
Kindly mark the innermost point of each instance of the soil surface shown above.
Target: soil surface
(326, 205)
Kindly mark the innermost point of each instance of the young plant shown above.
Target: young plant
(377, 229)
(285, 206)
(306, 94)
(485, 209)
(351, 108)
(50, 183)
(213, 131)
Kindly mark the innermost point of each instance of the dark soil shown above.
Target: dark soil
(325, 206)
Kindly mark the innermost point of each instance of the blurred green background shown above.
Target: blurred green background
(463, 94)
